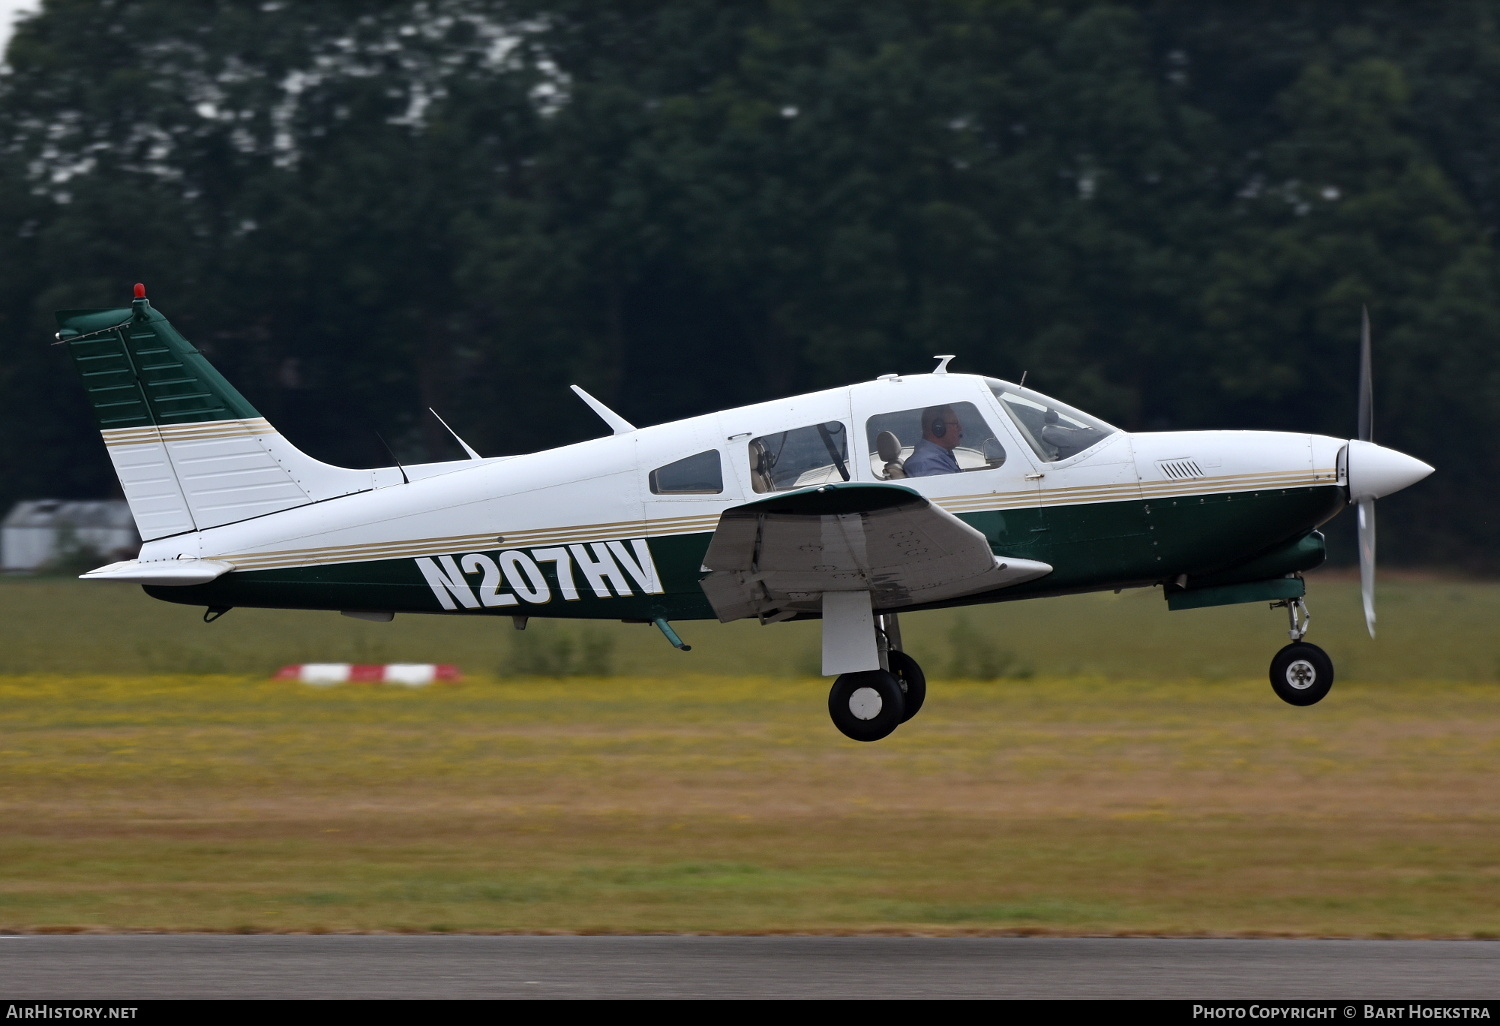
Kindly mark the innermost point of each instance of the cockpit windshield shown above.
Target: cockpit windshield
(1055, 430)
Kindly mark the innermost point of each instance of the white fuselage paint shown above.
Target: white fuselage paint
(590, 504)
(182, 477)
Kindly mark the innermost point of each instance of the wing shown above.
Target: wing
(774, 558)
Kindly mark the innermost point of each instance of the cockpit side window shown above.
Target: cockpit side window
(800, 458)
(947, 438)
(699, 474)
(1055, 430)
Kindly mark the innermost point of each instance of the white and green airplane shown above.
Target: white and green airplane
(850, 505)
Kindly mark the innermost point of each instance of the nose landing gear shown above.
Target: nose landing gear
(1301, 673)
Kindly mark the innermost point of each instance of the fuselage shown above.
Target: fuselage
(617, 527)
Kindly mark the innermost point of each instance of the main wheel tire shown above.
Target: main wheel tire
(1301, 674)
(866, 706)
(912, 680)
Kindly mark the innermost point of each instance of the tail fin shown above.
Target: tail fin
(190, 451)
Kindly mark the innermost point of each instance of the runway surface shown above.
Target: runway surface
(199, 966)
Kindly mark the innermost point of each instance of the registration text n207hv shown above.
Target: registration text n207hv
(608, 569)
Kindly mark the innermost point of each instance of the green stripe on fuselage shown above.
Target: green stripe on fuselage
(1091, 547)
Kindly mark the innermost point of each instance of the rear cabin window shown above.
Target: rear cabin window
(800, 458)
(699, 474)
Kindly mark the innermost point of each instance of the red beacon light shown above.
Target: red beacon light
(140, 290)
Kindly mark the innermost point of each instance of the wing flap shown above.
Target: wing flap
(779, 556)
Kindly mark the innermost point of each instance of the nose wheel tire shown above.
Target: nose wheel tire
(1301, 674)
(912, 681)
(866, 706)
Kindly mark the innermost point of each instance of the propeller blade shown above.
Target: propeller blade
(1366, 514)
(1366, 383)
(1366, 508)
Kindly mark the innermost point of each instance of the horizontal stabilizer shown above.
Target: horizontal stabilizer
(161, 571)
(781, 554)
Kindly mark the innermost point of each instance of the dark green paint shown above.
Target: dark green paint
(1191, 535)
(139, 371)
(1295, 556)
(1093, 547)
(397, 585)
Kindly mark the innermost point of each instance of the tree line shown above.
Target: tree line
(1166, 212)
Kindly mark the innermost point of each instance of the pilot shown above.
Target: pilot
(941, 433)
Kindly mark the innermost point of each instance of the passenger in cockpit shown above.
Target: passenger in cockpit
(941, 433)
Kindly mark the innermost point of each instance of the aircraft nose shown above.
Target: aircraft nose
(1375, 470)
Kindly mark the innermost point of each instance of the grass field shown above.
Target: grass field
(1180, 799)
(1429, 630)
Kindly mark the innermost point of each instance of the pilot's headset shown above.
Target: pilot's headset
(939, 426)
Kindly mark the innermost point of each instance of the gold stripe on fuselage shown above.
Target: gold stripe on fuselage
(471, 542)
(1126, 490)
(541, 537)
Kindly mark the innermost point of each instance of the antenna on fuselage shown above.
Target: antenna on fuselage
(404, 478)
(942, 367)
(1022, 382)
(618, 424)
(467, 448)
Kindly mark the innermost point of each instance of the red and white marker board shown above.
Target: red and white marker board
(412, 675)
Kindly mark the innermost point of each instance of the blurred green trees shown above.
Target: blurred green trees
(1166, 212)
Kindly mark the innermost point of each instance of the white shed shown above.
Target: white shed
(39, 531)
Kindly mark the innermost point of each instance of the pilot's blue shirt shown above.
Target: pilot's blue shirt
(929, 458)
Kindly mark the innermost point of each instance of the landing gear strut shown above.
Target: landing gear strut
(911, 679)
(1301, 673)
(867, 705)
(908, 674)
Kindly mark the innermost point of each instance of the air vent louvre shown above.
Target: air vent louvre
(1179, 470)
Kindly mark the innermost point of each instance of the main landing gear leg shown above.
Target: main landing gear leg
(866, 701)
(1301, 673)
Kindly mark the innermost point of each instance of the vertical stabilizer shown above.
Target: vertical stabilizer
(190, 451)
